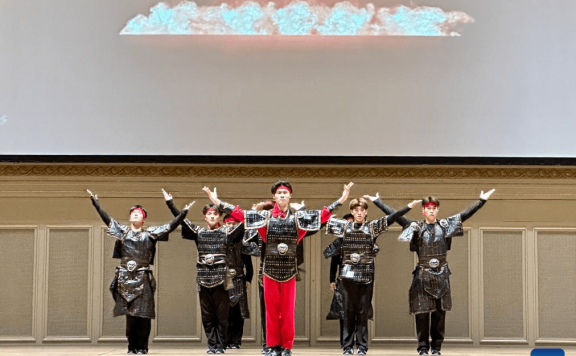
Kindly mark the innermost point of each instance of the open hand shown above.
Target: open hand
(372, 198)
(485, 196)
(167, 196)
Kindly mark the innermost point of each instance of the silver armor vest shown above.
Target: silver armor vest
(357, 254)
(137, 247)
(281, 242)
(212, 251)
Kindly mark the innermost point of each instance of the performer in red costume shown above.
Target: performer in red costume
(281, 230)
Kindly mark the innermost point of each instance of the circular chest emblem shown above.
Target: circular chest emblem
(282, 248)
(131, 265)
(209, 258)
(434, 263)
(232, 272)
(355, 258)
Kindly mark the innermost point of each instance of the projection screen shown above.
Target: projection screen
(499, 85)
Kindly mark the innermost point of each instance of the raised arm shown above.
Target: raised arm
(188, 228)
(234, 211)
(402, 221)
(390, 219)
(170, 203)
(103, 215)
(327, 210)
(179, 218)
(472, 209)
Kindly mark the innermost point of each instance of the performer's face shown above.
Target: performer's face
(282, 197)
(136, 217)
(430, 213)
(212, 218)
(230, 223)
(359, 214)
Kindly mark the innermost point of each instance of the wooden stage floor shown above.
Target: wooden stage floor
(158, 350)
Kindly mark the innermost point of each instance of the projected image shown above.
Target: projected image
(299, 18)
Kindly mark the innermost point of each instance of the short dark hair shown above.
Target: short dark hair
(211, 206)
(348, 216)
(358, 202)
(432, 200)
(139, 207)
(280, 183)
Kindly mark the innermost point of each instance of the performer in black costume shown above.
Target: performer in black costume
(242, 264)
(336, 305)
(282, 230)
(134, 285)
(430, 291)
(355, 247)
(214, 276)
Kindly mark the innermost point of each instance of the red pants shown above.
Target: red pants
(280, 300)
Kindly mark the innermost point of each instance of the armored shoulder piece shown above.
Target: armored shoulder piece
(308, 220)
(336, 226)
(116, 229)
(452, 226)
(408, 233)
(255, 219)
(378, 226)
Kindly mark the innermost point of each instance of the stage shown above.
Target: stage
(117, 350)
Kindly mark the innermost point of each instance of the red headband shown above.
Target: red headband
(428, 204)
(210, 209)
(284, 187)
(141, 212)
(231, 219)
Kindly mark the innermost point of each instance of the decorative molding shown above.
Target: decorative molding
(276, 171)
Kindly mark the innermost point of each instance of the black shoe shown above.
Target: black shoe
(274, 351)
(422, 352)
(286, 352)
(233, 346)
(265, 349)
(211, 351)
(348, 351)
(361, 351)
(141, 352)
(131, 352)
(219, 351)
(436, 352)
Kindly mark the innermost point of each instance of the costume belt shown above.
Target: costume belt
(212, 259)
(358, 258)
(132, 265)
(432, 262)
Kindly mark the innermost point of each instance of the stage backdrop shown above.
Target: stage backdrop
(71, 84)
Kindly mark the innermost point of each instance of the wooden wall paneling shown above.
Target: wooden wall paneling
(503, 285)
(69, 283)
(555, 262)
(19, 280)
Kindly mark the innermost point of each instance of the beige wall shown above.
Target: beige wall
(512, 271)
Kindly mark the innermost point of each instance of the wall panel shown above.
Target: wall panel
(68, 283)
(556, 293)
(503, 285)
(17, 263)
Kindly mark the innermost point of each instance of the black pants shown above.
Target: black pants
(357, 300)
(262, 313)
(138, 332)
(431, 325)
(236, 325)
(214, 305)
